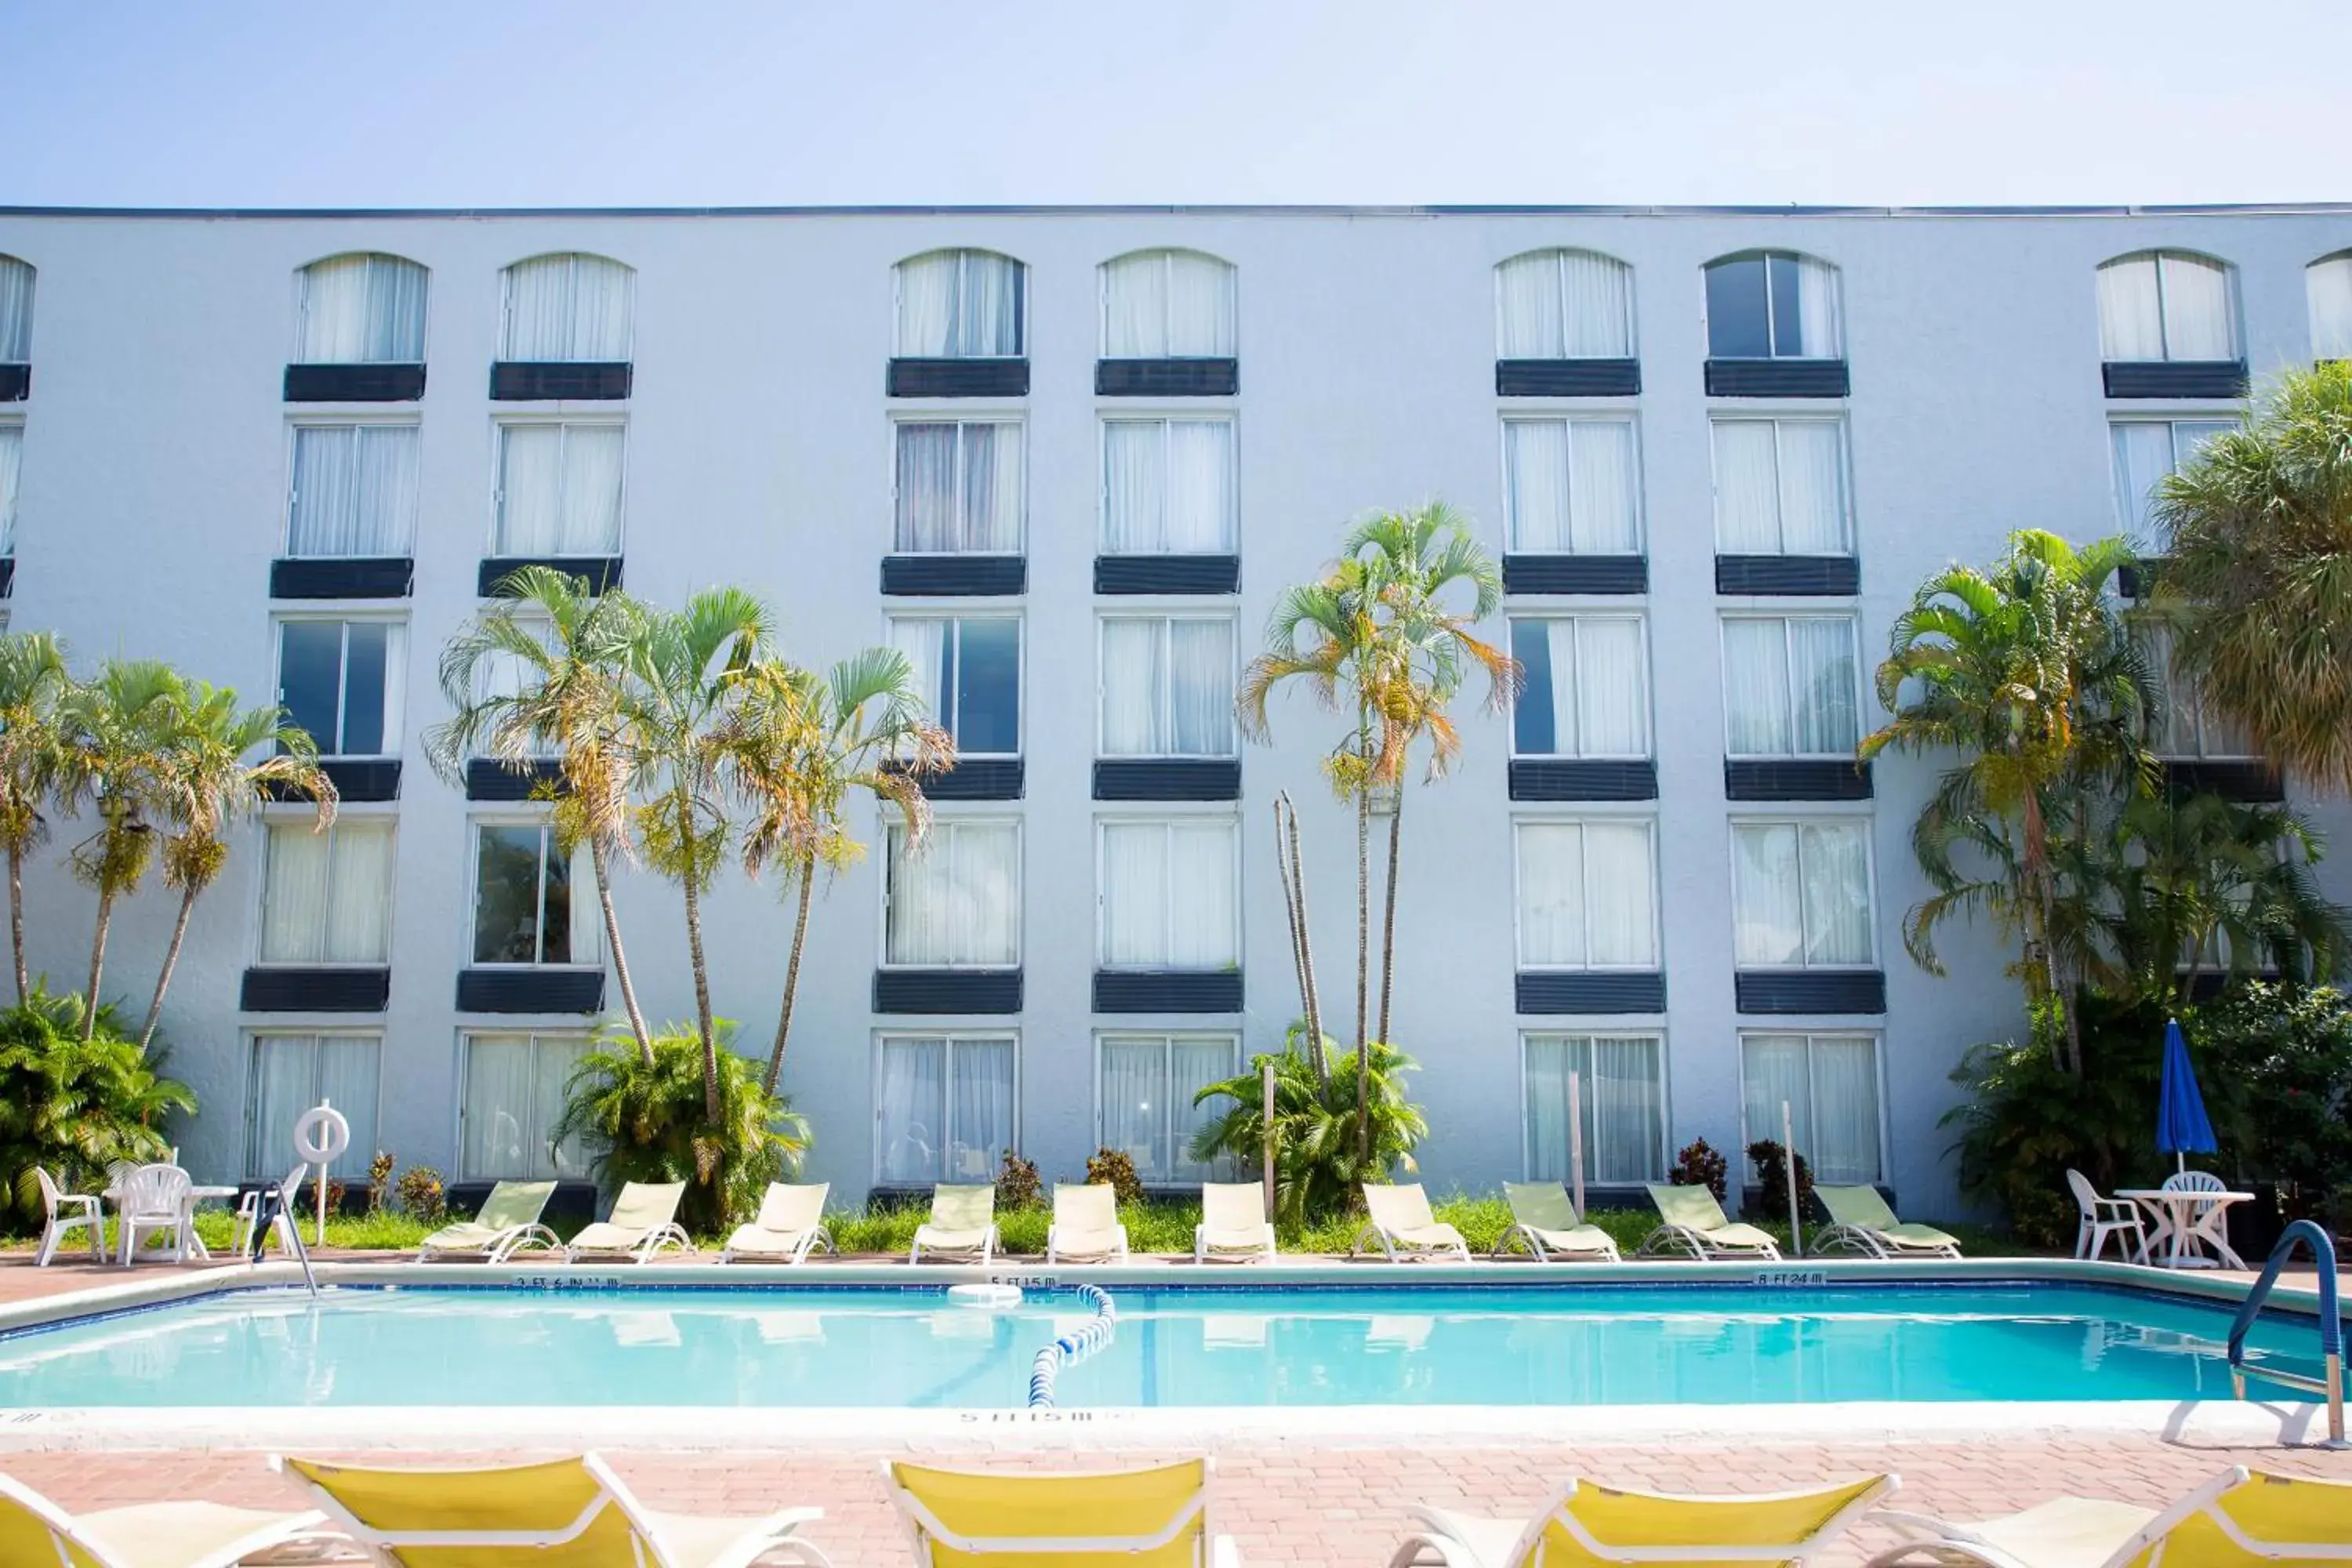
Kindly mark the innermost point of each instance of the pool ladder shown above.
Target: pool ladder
(2331, 1326)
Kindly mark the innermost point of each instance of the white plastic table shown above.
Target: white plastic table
(2184, 1220)
(113, 1195)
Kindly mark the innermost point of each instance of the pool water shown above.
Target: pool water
(911, 1348)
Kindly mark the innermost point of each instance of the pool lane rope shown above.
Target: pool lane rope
(1075, 1346)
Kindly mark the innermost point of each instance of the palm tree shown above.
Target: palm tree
(2027, 672)
(33, 681)
(208, 779)
(571, 647)
(115, 729)
(2259, 579)
(797, 745)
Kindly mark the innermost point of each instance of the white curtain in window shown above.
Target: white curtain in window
(16, 311)
(992, 488)
(591, 489)
(1135, 305)
(1836, 894)
(12, 460)
(1535, 459)
(1134, 715)
(358, 911)
(1200, 688)
(1200, 509)
(1621, 893)
(1192, 1065)
(1527, 308)
(1202, 322)
(1767, 902)
(957, 901)
(1773, 1071)
(927, 488)
(1551, 896)
(1137, 896)
(1812, 487)
(960, 488)
(911, 1112)
(2143, 458)
(1826, 722)
(1612, 698)
(497, 1111)
(2329, 283)
(1201, 907)
(348, 1081)
(1564, 304)
(573, 308)
(1747, 488)
(1135, 486)
(924, 641)
(552, 1061)
(927, 288)
(560, 490)
(958, 304)
(1134, 1108)
(1605, 517)
(980, 1108)
(2199, 323)
(294, 894)
(355, 490)
(362, 310)
(284, 1069)
(2131, 311)
(1845, 1144)
(1160, 304)
(1818, 335)
(1628, 1110)
(1756, 691)
(1550, 1060)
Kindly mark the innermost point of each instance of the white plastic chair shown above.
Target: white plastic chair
(248, 1210)
(2103, 1218)
(156, 1200)
(64, 1212)
(2194, 1181)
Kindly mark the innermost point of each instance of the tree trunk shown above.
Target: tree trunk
(96, 964)
(701, 971)
(603, 865)
(16, 915)
(1363, 970)
(1294, 904)
(1388, 918)
(2039, 919)
(792, 973)
(170, 962)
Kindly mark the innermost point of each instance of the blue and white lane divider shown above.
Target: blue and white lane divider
(1074, 1346)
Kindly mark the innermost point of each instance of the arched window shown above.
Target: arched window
(2327, 279)
(1564, 304)
(2167, 305)
(16, 311)
(1168, 304)
(1773, 304)
(362, 310)
(961, 304)
(567, 308)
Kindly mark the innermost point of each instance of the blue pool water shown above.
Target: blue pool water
(912, 1348)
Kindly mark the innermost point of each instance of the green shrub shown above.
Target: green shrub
(1772, 1180)
(1318, 1170)
(1115, 1169)
(1698, 1165)
(72, 1106)
(423, 1197)
(2275, 1066)
(1016, 1184)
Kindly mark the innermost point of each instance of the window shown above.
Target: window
(1587, 895)
(1144, 1104)
(1170, 896)
(326, 896)
(961, 304)
(1791, 686)
(2167, 305)
(361, 310)
(2329, 280)
(1800, 895)
(567, 308)
(296, 1073)
(512, 1098)
(2191, 731)
(559, 490)
(342, 681)
(1830, 1083)
(355, 490)
(943, 1108)
(1572, 487)
(1779, 487)
(532, 903)
(1621, 1099)
(1587, 687)
(1168, 304)
(16, 311)
(960, 488)
(955, 903)
(1168, 486)
(2147, 451)
(1564, 304)
(1772, 305)
(12, 463)
(1167, 686)
(967, 668)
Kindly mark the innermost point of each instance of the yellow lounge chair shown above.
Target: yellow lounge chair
(1587, 1524)
(789, 1223)
(2238, 1520)
(508, 1223)
(1692, 1222)
(963, 1225)
(1234, 1226)
(1544, 1221)
(564, 1513)
(645, 1221)
(1860, 1221)
(1155, 1518)
(1086, 1227)
(1401, 1221)
(36, 1531)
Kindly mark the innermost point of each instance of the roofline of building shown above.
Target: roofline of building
(1194, 210)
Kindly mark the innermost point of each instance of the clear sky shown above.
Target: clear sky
(734, 102)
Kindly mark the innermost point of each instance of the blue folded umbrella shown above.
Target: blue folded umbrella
(2182, 1127)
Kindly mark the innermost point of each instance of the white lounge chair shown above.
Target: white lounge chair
(64, 1212)
(1086, 1227)
(1544, 1221)
(1861, 1221)
(1234, 1226)
(34, 1532)
(962, 1226)
(1588, 1523)
(156, 1200)
(644, 1222)
(1691, 1222)
(2102, 1218)
(791, 1222)
(1401, 1221)
(507, 1222)
(1155, 1518)
(2239, 1519)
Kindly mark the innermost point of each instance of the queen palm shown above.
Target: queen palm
(569, 648)
(209, 779)
(115, 729)
(798, 745)
(32, 682)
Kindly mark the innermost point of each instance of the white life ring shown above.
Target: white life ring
(320, 1135)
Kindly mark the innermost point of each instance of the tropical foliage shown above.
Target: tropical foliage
(1319, 1168)
(75, 1095)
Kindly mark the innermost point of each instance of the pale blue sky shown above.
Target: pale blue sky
(729, 103)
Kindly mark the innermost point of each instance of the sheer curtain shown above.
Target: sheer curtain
(1818, 335)
(993, 488)
(1203, 916)
(530, 489)
(12, 459)
(1193, 1065)
(294, 894)
(1767, 899)
(16, 311)
(1756, 694)
(2328, 282)
(285, 1067)
(1202, 320)
(591, 489)
(1812, 487)
(988, 308)
(1564, 304)
(567, 308)
(1773, 1071)
(1527, 308)
(1199, 513)
(1200, 688)
(1822, 679)
(1628, 1110)
(1836, 894)
(1135, 305)
(957, 901)
(927, 289)
(1135, 486)
(927, 488)
(2143, 458)
(362, 310)
(924, 641)
(1549, 1059)
(1133, 1109)
(1134, 676)
(980, 1107)
(1610, 691)
(1160, 304)
(1536, 456)
(552, 1061)
(355, 490)
(2131, 311)
(1846, 1109)
(359, 907)
(347, 1080)
(960, 488)
(1137, 896)
(1604, 513)
(1551, 896)
(2198, 322)
(497, 1113)
(911, 1111)
(1621, 893)
(1747, 488)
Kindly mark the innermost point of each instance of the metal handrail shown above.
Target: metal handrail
(2331, 1325)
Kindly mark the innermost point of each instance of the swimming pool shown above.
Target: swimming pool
(910, 1347)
